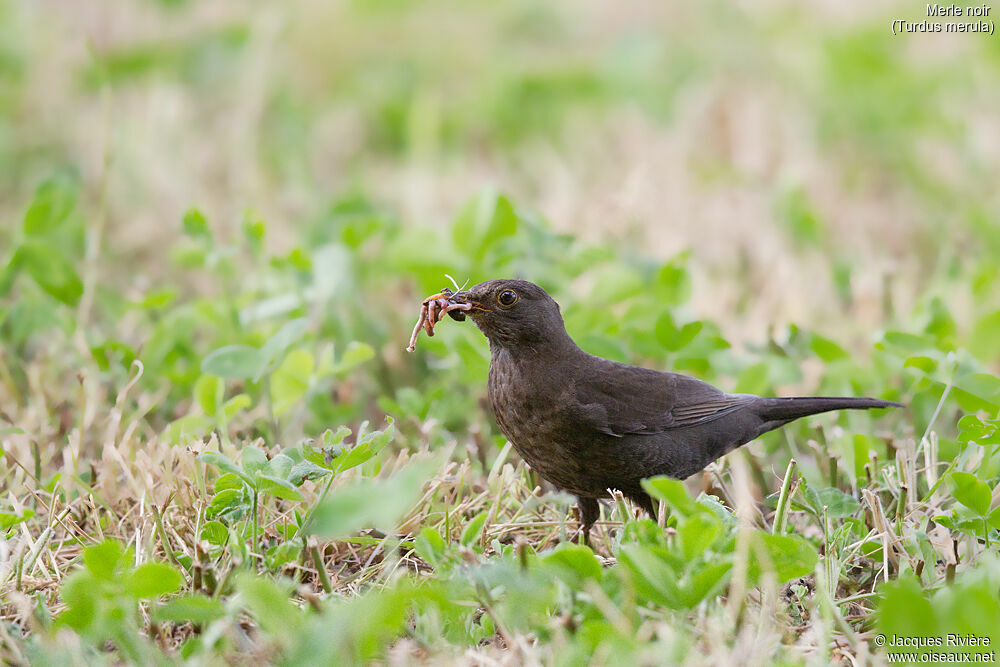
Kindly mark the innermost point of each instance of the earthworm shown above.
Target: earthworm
(432, 310)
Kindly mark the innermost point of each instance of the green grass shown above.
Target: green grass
(215, 448)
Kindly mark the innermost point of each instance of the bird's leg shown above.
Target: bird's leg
(589, 510)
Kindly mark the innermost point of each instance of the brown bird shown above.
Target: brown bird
(587, 424)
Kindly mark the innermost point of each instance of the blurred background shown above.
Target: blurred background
(218, 220)
(780, 166)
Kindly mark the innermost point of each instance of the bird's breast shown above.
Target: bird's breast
(528, 400)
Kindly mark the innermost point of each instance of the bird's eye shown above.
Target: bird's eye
(507, 298)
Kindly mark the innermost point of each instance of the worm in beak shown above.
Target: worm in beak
(433, 309)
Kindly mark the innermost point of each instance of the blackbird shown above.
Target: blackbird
(587, 424)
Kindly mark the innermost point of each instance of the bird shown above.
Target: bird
(587, 424)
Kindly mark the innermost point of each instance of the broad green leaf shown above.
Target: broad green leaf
(304, 470)
(151, 580)
(826, 349)
(209, 391)
(371, 503)
(52, 204)
(51, 269)
(279, 466)
(431, 547)
(224, 500)
(838, 503)
(696, 533)
(195, 224)
(276, 346)
(576, 559)
(279, 488)
(671, 336)
(9, 519)
(193, 608)
(370, 445)
(788, 556)
(971, 492)
(234, 361)
(228, 481)
(673, 492)
(253, 460)
(214, 532)
(653, 578)
(236, 404)
(290, 381)
(222, 462)
(473, 529)
(270, 605)
(104, 560)
(354, 355)
(754, 379)
(181, 430)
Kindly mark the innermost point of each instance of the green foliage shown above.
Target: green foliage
(203, 392)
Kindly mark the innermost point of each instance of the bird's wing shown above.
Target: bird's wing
(620, 400)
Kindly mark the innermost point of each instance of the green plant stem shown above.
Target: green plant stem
(781, 511)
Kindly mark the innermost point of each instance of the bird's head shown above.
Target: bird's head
(512, 313)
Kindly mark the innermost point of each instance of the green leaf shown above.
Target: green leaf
(9, 519)
(971, 492)
(279, 466)
(826, 349)
(195, 224)
(838, 503)
(279, 488)
(270, 605)
(151, 580)
(276, 346)
(673, 282)
(214, 532)
(984, 341)
(697, 533)
(290, 381)
(354, 355)
(229, 481)
(474, 529)
(707, 580)
(652, 576)
(671, 336)
(253, 460)
(51, 270)
(577, 560)
(236, 404)
(223, 501)
(190, 609)
(185, 428)
(209, 391)
(79, 592)
(673, 492)
(430, 546)
(233, 361)
(304, 470)
(103, 560)
(754, 379)
(375, 503)
(370, 445)
(788, 556)
(222, 462)
(52, 204)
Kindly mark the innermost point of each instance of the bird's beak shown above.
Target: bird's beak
(463, 298)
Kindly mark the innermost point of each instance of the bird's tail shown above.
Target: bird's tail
(787, 409)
